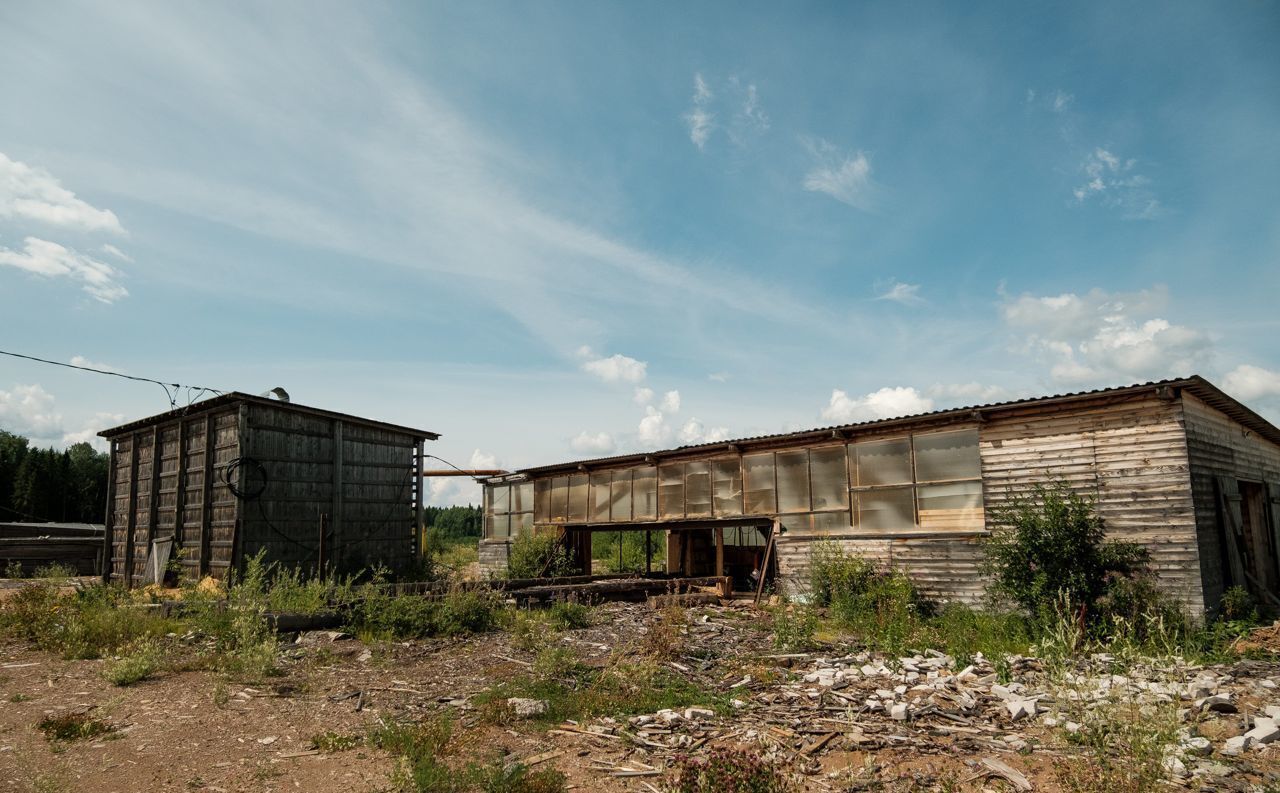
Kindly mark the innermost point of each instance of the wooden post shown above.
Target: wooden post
(131, 525)
(336, 520)
(180, 497)
(764, 565)
(153, 509)
(648, 552)
(419, 504)
(719, 537)
(113, 462)
(320, 571)
(206, 497)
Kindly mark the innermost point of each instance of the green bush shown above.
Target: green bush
(794, 627)
(143, 662)
(1051, 542)
(87, 623)
(538, 556)
(1238, 606)
(726, 770)
(517, 778)
(568, 614)
(378, 613)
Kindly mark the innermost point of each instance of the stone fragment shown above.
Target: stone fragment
(898, 712)
(1236, 746)
(698, 713)
(1198, 745)
(525, 707)
(1021, 708)
(1264, 731)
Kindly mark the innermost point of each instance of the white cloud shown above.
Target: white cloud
(614, 369)
(718, 377)
(700, 119)
(89, 432)
(653, 431)
(116, 252)
(883, 404)
(670, 402)
(844, 177)
(1116, 183)
(1103, 338)
(752, 115)
(80, 360)
(693, 432)
(28, 410)
(1247, 381)
(446, 491)
(643, 395)
(598, 443)
(1062, 101)
(50, 260)
(906, 294)
(973, 393)
(33, 194)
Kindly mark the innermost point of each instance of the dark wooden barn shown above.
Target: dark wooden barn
(215, 483)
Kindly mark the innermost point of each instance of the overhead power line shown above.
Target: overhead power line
(171, 390)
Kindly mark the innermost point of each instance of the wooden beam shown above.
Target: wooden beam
(719, 536)
(206, 497)
(463, 471)
(109, 515)
(336, 522)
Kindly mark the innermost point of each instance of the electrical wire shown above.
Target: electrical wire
(171, 390)
(479, 479)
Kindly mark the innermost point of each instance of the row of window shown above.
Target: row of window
(931, 480)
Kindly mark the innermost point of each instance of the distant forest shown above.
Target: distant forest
(49, 485)
(453, 523)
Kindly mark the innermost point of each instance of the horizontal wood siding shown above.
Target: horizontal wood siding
(945, 569)
(1220, 446)
(1131, 457)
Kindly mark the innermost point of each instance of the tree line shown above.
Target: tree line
(50, 485)
(454, 523)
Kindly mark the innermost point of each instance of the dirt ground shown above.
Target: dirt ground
(194, 731)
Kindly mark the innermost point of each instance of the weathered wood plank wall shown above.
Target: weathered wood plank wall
(1219, 446)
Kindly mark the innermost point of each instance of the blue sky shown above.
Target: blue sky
(564, 230)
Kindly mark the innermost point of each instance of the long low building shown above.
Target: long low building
(1177, 466)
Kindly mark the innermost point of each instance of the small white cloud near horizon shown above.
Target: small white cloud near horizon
(899, 292)
(643, 396)
(51, 260)
(653, 432)
(693, 432)
(972, 393)
(883, 404)
(1116, 184)
(842, 176)
(1102, 338)
(616, 368)
(670, 402)
(448, 491)
(700, 119)
(598, 443)
(1247, 381)
(80, 360)
(33, 194)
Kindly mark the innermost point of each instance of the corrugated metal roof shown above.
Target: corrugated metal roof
(236, 397)
(1202, 388)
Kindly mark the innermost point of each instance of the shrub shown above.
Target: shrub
(73, 727)
(517, 778)
(665, 636)
(331, 741)
(417, 747)
(1238, 606)
(538, 556)
(1051, 541)
(728, 771)
(380, 614)
(143, 662)
(794, 627)
(86, 623)
(567, 614)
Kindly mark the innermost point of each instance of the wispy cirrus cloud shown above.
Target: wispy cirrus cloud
(51, 260)
(844, 176)
(1116, 183)
(899, 292)
(32, 194)
(700, 119)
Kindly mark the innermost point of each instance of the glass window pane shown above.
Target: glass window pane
(620, 498)
(522, 523)
(501, 525)
(671, 490)
(726, 483)
(889, 509)
(793, 481)
(488, 525)
(882, 462)
(500, 499)
(831, 522)
(522, 497)
(601, 492)
(560, 498)
(953, 507)
(797, 523)
(697, 490)
(947, 455)
(578, 484)
(760, 497)
(542, 500)
(645, 493)
(830, 482)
